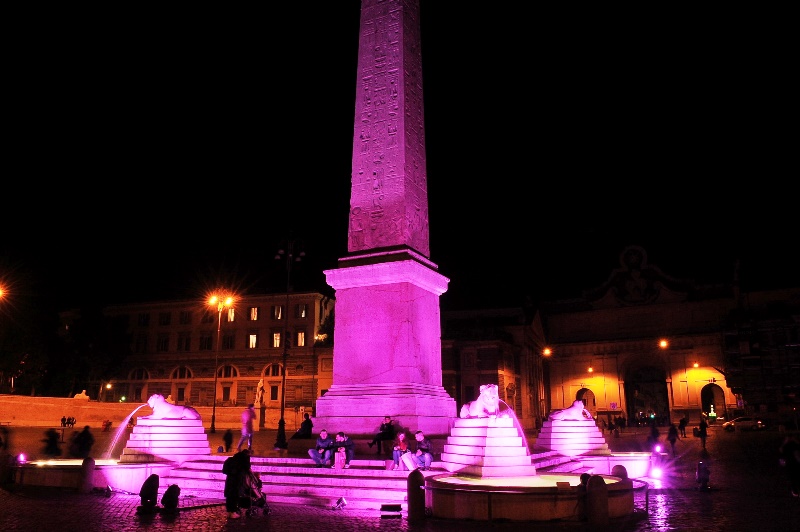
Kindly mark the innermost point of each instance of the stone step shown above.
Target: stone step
(366, 484)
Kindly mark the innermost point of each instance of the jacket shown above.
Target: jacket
(324, 443)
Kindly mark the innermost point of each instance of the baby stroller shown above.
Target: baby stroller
(253, 502)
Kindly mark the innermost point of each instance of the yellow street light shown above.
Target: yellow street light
(221, 304)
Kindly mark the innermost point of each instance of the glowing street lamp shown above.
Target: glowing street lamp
(221, 304)
(100, 395)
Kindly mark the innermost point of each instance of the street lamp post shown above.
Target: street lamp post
(280, 441)
(221, 304)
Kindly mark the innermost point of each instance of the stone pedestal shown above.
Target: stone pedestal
(571, 438)
(388, 354)
(166, 440)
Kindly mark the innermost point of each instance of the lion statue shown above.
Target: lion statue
(486, 405)
(577, 412)
(164, 410)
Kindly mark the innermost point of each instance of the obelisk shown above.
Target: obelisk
(387, 335)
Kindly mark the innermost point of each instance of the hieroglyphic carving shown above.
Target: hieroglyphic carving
(388, 195)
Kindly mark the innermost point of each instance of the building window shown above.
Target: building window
(276, 339)
(229, 316)
(273, 393)
(301, 310)
(301, 338)
(164, 318)
(184, 342)
(181, 373)
(209, 317)
(227, 372)
(139, 374)
(185, 317)
(206, 342)
(274, 370)
(277, 312)
(162, 344)
(143, 319)
(140, 345)
(252, 341)
(228, 341)
(253, 313)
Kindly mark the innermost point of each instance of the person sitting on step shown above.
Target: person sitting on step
(399, 448)
(347, 445)
(385, 433)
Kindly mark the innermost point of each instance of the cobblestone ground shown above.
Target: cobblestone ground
(748, 492)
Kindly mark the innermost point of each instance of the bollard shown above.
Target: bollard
(597, 501)
(87, 475)
(416, 496)
(702, 476)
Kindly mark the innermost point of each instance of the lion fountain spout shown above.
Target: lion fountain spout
(487, 441)
(171, 433)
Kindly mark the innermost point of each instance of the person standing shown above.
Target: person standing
(84, 442)
(227, 439)
(321, 453)
(672, 437)
(248, 417)
(703, 432)
(423, 456)
(682, 426)
(235, 468)
(385, 433)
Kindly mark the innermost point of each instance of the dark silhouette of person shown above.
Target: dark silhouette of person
(703, 432)
(682, 426)
(235, 468)
(84, 442)
(149, 493)
(672, 437)
(385, 433)
(306, 430)
(50, 440)
(227, 439)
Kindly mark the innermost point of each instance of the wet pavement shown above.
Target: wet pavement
(748, 491)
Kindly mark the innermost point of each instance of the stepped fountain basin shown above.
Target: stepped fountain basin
(541, 497)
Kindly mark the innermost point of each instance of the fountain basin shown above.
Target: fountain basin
(69, 473)
(527, 498)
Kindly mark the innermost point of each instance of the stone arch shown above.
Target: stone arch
(589, 400)
(712, 394)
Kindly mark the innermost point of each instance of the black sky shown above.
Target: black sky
(155, 155)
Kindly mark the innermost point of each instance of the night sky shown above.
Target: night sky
(155, 156)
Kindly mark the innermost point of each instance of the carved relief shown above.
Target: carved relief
(389, 211)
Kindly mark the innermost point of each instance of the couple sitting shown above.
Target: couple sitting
(420, 458)
(342, 445)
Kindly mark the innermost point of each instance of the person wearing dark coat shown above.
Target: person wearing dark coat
(235, 469)
(306, 430)
(385, 433)
(227, 439)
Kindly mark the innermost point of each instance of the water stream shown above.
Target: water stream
(518, 425)
(120, 430)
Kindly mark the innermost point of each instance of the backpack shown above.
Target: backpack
(170, 499)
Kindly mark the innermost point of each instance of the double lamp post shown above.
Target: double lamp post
(288, 254)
